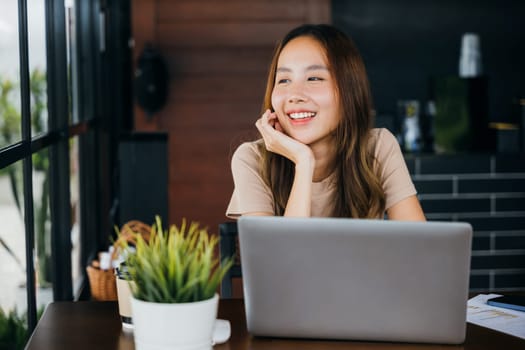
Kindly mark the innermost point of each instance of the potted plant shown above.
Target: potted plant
(175, 277)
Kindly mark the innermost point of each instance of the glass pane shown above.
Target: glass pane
(76, 263)
(12, 240)
(9, 74)
(72, 61)
(41, 212)
(36, 27)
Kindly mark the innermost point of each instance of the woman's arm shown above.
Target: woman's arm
(299, 201)
(408, 209)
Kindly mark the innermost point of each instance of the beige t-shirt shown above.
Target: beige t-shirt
(251, 194)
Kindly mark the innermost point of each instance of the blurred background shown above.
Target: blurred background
(117, 110)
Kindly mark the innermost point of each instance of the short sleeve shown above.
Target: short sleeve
(395, 177)
(251, 193)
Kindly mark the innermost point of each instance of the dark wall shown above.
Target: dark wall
(406, 42)
(487, 191)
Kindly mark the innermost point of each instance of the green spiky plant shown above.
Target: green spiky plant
(13, 329)
(178, 265)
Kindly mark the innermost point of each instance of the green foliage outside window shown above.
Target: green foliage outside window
(13, 329)
(10, 129)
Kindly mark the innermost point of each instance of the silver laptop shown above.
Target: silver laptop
(332, 278)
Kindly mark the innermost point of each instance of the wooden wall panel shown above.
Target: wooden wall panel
(223, 34)
(217, 55)
(216, 88)
(204, 117)
(212, 60)
(231, 10)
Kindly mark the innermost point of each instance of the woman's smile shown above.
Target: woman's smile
(301, 117)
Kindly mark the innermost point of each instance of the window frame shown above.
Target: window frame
(102, 107)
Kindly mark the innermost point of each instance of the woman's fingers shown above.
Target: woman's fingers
(266, 123)
(273, 133)
(276, 140)
(277, 126)
(262, 120)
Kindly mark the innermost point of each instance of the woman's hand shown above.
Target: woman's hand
(277, 141)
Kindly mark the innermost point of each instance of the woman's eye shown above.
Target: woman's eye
(315, 79)
(283, 81)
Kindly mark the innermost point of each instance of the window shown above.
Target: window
(57, 143)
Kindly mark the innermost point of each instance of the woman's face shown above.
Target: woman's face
(304, 95)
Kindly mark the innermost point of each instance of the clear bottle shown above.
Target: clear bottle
(409, 113)
(470, 58)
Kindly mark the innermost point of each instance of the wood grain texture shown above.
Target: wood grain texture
(231, 10)
(218, 60)
(232, 34)
(96, 325)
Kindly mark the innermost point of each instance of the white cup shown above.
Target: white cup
(124, 297)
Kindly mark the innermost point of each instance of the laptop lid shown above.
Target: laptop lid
(336, 278)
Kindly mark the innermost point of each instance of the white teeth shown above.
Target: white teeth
(301, 115)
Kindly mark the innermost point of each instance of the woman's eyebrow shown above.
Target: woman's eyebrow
(283, 70)
(309, 68)
(316, 67)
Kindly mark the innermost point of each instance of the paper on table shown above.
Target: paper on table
(504, 320)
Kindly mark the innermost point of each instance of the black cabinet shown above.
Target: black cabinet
(143, 183)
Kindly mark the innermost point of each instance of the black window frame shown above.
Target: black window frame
(102, 101)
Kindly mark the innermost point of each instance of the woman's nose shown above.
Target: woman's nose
(296, 99)
(296, 96)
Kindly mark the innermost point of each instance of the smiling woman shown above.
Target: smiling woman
(319, 155)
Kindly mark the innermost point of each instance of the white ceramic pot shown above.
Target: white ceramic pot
(185, 326)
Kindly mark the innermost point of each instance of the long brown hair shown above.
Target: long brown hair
(359, 190)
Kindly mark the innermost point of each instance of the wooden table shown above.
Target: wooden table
(96, 325)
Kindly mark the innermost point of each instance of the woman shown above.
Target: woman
(319, 155)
